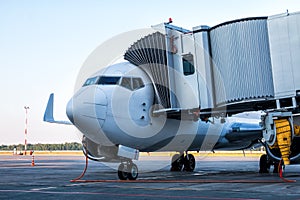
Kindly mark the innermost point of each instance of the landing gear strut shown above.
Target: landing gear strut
(181, 162)
(128, 170)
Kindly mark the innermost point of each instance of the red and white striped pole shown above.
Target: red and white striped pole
(26, 123)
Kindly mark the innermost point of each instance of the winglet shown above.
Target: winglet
(48, 115)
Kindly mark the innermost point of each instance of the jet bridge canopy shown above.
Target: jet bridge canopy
(149, 53)
(241, 65)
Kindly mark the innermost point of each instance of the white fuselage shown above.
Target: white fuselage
(118, 110)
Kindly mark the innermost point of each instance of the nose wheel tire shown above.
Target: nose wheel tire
(133, 172)
(122, 172)
(128, 171)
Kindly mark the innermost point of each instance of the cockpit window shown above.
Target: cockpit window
(126, 83)
(91, 81)
(109, 80)
(137, 83)
(132, 83)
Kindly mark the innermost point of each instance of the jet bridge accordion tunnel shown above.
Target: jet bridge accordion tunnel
(242, 65)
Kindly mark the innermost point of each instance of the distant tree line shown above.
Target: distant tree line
(43, 147)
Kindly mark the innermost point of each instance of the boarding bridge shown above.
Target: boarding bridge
(241, 65)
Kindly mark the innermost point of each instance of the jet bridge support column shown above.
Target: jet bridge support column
(279, 133)
(283, 139)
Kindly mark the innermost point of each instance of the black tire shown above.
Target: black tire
(189, 163)
(133, 172)
(122, 174)
(276, 166)
(264, 165)
(177, 163)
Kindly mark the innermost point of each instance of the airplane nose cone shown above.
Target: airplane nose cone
(89, 104)
(87, 111)
(69, 110)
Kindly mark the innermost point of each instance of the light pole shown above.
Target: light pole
(26, 123)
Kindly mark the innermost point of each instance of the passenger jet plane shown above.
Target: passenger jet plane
(139, 105)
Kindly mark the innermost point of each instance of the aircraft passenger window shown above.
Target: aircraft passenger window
(126, 82)
(90, 81)
(137, 83)
(188, 64)
(109, 80)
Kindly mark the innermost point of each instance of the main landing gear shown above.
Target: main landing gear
(265, 164)
(181, 162)
(128, 170)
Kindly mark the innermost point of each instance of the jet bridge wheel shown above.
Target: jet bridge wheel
(276, 165)
(264, 164)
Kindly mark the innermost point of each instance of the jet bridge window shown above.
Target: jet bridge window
(132, 83)
(188, 64)
(90, 81)
(109, 80)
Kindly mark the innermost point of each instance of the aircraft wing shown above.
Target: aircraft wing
(48, 116)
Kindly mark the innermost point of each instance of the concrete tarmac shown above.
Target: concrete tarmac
(234, 178)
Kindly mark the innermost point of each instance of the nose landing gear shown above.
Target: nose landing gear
(128, 170)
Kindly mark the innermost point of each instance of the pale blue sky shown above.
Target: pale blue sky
(43, 44)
